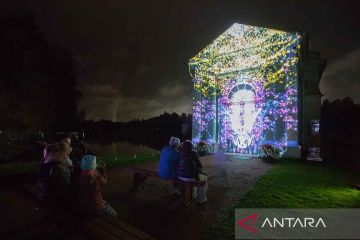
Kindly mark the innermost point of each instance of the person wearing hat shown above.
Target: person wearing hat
(90, 182)
(169, 160)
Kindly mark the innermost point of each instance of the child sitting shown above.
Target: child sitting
(90, 188)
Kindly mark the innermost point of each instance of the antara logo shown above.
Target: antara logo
(287, 222)
(253, 219)
(290, 222)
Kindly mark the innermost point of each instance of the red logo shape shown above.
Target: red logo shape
(253, 219)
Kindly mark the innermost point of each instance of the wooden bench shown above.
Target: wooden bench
(140, 175)
(108, 228)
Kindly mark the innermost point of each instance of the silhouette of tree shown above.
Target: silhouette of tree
(340, 130)
(37, 81)
(154, 131)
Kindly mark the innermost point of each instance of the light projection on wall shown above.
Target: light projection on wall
(245, 89)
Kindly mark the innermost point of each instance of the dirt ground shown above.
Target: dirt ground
(153, 208)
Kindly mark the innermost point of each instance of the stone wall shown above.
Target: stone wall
(311, 68)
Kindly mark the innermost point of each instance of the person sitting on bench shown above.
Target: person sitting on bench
(169, 161)
(190, 169)
(54, 176)
(91, 179)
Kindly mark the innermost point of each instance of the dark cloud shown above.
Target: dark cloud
(104, 100)
(342, 77)
(133, 55)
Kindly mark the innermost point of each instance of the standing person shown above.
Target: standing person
(190, 169)
(78, 151)
(67, 140)
(54, 176)
(169, 161)
(90, 182)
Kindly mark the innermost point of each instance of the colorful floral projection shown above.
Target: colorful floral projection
(245, 89)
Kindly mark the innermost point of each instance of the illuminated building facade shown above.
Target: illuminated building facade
(247, 90)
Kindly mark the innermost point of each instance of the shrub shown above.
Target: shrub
(269, 153)
(202, 148)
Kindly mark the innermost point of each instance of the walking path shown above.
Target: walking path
(161, 214)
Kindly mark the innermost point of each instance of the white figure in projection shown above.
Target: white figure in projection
(243, 114)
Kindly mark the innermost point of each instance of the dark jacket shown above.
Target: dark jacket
(79, 150)
(169, 160)
(53, 183)
(190, 165)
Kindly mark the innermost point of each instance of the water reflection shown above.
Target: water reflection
(116, 148)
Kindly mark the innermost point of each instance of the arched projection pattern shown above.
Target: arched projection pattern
(245, 89)
(242, 113)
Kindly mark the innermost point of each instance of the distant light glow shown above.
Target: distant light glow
(245, 89)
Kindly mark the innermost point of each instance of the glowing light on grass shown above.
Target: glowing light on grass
(245, 89)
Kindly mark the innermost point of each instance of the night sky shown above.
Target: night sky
(132, 55)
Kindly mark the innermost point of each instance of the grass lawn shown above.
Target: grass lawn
(294, 184)
(19, 170)
(129, 159)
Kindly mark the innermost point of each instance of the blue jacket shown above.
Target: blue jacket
(169, 161)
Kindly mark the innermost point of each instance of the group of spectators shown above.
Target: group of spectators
(180, 161)
(70, 176)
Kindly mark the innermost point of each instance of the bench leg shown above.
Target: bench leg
(138, 179)
(188, 198)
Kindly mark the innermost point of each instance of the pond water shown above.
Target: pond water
(116, 148)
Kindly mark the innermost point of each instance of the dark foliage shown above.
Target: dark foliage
(340, 132)
(37, 80)
(154, 132)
